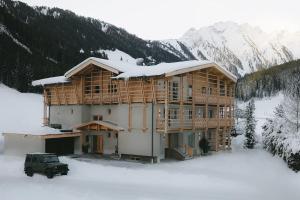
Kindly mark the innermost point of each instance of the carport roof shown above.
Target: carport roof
(99, 125)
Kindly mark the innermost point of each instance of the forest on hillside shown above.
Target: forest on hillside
(40, 42)
(266, 82)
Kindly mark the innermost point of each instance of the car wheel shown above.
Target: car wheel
(64, 173)
(29, 172)
(49, 174)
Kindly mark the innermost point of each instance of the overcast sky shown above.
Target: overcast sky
(166, 19)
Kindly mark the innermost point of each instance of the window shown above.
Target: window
(210, 113)
(87, 89)
(28, 159)
(203, 90)
(190, 92)
(190, 114)
(112, 88)
(97, 89)
(173, 113)
(191, 140)
(209, 91)
(97, 118)
(56, 126)
(210, 133)
(222, 112)
(201, 113)
(222, 88)
(34, 159)
(87, 83)
(175, 90)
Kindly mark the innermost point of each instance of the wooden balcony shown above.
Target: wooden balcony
(199, 123)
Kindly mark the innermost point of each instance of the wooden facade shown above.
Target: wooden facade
(201, 100)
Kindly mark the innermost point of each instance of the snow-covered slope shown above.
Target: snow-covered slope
(240, 48)
(21, 112)
(264, 108)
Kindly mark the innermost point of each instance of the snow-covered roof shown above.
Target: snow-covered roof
(127, 70)
(51, 80)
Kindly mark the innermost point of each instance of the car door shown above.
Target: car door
(39, 164)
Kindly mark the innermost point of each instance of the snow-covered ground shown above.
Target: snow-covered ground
(239, 174)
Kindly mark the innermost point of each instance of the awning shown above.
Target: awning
(99, 126)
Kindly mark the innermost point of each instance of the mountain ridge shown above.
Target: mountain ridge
(242, 48)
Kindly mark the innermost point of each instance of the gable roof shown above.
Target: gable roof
(106, 124)
(126, 70)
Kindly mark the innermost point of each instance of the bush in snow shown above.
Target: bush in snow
(250, 140)
(281, 134)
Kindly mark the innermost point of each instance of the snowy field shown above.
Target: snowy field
(232, 175)
(239, 174)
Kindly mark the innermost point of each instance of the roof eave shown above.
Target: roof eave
(199, 67)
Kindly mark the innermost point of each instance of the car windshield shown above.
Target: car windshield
(50, 159)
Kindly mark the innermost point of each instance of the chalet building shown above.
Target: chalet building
(143, 111)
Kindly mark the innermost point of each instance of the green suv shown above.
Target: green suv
(44, 163)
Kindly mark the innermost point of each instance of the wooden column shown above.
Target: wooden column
(218, 114)
(181, 110)
(166, 104)
(82, 89)
(193, 102)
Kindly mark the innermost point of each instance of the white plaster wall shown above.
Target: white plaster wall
(135, 142)
(16, 144)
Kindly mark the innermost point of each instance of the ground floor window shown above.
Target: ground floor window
(191, 140)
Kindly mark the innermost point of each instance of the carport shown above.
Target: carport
(62, 144)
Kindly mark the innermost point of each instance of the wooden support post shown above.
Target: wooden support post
(111, 88)
(76, 92)
(166, 105)
(181, 110)
(206, 99)
(153, 96)
(45, 120)
(82, 89)
(193, 101)
(143, 90)
(119, 91)
(218, 115)
(127, 90)
(64, 93)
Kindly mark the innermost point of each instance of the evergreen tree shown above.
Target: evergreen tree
(250, 140)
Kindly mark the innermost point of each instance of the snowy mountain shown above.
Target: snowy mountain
(240, 48)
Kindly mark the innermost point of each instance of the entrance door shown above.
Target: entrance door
(100, 144)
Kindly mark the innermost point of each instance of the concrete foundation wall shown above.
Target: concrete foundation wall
(16, 144)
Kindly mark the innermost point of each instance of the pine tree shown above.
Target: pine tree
(250, 140)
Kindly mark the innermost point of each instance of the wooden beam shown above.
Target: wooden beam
(166, 104)
(181, 110)
(57, 94)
